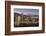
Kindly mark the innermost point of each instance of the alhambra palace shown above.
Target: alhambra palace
(21, 19)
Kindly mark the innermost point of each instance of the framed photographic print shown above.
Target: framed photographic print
(24, 18)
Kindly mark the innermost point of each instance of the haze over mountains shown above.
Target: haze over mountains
(26, 11)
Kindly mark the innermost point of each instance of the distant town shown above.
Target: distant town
(21, 20)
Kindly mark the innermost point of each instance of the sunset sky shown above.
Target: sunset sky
(26, 11)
